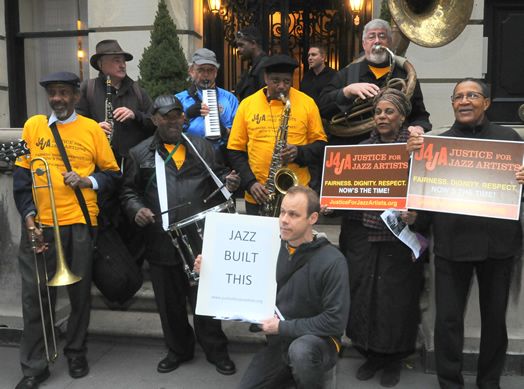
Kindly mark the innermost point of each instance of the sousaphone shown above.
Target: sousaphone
(431, 23)
(427, 23)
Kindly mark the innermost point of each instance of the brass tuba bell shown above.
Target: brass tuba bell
(431, 23)
(428, 23)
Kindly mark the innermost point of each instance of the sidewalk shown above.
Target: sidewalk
(116, 365)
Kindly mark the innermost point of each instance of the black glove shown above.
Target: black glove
(193, 111)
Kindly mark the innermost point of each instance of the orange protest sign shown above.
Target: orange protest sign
(466, 176)
(365, 177)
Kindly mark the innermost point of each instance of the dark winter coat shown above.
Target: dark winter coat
(130, 132)
(471, 238)
(192, 183)
(313, 290)
(251, 80)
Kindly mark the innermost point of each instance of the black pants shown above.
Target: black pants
(452, 284)
(172, 288)
(278, 364)
(252, 208)
(78, 252)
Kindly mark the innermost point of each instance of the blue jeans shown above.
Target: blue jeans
(304, 361)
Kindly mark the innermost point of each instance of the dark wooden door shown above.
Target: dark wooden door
(504, 28)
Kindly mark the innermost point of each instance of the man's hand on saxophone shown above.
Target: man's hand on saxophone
(289, 154)
(259, 193)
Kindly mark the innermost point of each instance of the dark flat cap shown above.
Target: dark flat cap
(60, 78)
(108, 47)
(166, 103)
(280, 64)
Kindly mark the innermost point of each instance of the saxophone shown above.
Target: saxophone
(109, 109)
(279, 179)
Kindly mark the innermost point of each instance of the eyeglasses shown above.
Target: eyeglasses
(381, 36)
(470, 96)
(205, 71)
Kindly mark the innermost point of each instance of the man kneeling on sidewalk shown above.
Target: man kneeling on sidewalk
(312, 296)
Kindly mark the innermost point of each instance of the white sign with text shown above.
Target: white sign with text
(237, 274)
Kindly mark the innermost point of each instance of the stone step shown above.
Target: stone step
(145, 328)
(138, 321)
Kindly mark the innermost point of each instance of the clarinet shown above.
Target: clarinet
(109, 109)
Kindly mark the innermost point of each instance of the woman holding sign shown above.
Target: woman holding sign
(385, 281)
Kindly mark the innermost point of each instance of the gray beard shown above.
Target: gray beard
(61, 115)
(378, 58)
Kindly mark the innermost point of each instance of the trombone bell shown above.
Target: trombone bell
(63, 276)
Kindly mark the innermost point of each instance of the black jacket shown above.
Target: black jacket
(251, 80)
(312, 84)
(332, 100)
(126, 134)
(312, 290)
(192, 183)
(471, 238)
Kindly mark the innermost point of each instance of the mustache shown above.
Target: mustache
(55, 104)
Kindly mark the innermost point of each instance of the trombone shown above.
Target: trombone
(63, 276)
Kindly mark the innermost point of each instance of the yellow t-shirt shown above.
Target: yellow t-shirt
(379, 72)
(180, 154)
(255, 129)
(86, 146)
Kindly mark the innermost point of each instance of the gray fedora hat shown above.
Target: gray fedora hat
(108, 47)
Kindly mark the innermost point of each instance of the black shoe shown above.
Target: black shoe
(78, 367)
(368, 369)
(33, 382)
(169, 364)
(226, 367)
(391, 374)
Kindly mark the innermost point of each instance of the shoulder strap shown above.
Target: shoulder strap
(221, 186)
(138, 95)
(90, 90)
(165, 162)
(65, 159)
(353, 73)
(193, 93)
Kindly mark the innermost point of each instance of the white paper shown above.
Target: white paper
(401, 230)
(238, 318)
(237, 274)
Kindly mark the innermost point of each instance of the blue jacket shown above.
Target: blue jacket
(227, 104)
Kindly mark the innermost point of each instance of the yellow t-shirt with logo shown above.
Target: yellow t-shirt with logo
(179, 156)
(86, 147)
(255, 129)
